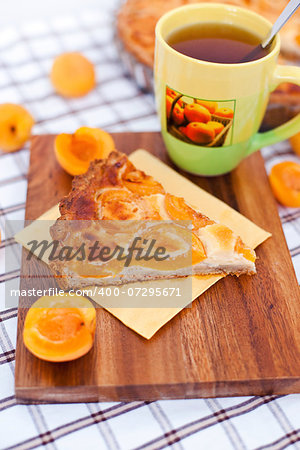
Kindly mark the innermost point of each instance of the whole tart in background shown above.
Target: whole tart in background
(135, 39)
(136, 26)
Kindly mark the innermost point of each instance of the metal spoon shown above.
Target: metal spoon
(288, 11)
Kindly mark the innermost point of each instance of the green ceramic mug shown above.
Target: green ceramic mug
(210, 113)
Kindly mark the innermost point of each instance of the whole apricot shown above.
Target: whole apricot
(178, 115)
(224, 112)
(182, 130)
(179, 102)
(170, 92)
(211, 106)
(15, 126)
(72, 75)
(169, 101)
(200, 133)
(295, 143)
(197, 113)
(217, 126)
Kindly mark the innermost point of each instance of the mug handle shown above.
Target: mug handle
(282, 74)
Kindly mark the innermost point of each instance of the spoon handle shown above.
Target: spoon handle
(282, 19)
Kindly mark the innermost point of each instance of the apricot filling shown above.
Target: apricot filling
(246, 252)
(74, 152)
(141, 185)
(198, 251)
(179, 210)
(60, 328)
(179, 244)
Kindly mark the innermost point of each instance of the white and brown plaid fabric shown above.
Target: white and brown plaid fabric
(26, 54)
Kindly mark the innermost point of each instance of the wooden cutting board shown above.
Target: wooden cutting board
(241, 337)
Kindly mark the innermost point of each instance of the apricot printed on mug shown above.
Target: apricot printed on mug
(207, 123)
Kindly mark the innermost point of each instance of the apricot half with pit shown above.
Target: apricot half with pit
(15, 126)
(60, 328)
(74, 152)
(72, 75)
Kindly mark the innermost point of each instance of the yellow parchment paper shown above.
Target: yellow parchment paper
(147, 321)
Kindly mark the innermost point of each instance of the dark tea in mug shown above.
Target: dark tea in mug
(217, 43)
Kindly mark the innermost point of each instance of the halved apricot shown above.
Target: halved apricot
(74, 152)
(197, 113)
(224, 112)
(72, 75)
(15, 126)
(60, 328)
(285, 183)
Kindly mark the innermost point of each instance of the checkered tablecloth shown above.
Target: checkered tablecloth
(26, 55)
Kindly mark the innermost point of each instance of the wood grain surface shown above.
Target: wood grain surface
(241, 337)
